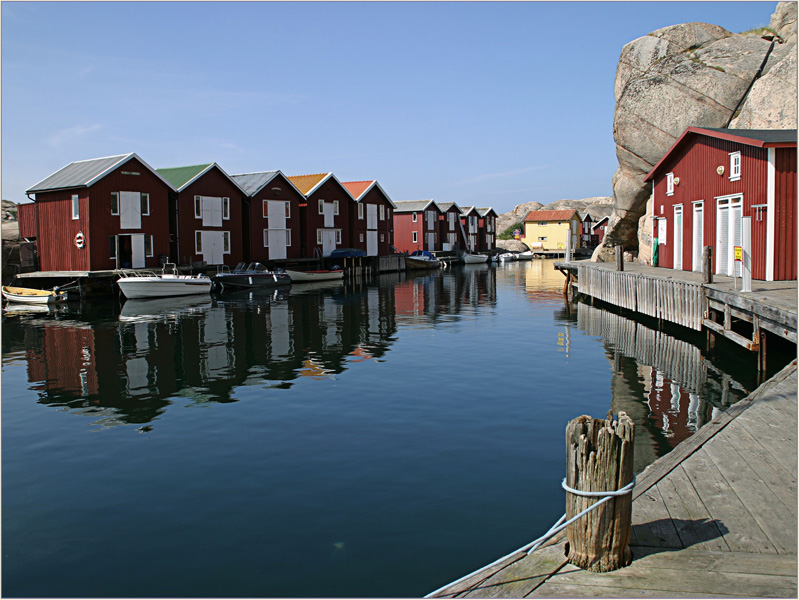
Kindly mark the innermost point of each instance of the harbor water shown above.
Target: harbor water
(369, 439)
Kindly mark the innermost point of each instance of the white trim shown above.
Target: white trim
(735, 174)
(678, 237)
(771, 179)
(75, 200)
(669, 184)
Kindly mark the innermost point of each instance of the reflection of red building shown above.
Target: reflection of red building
(409, 299)
(64, 359)
(672, 409)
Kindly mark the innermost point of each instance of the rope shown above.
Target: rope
(556, 528)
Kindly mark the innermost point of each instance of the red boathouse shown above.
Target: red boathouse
(371, 219)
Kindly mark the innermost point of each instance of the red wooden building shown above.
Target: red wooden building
(272, 216)
(326, 214)
(210, 215)
(103, 213)
(711, 178)
(416, 225)
(470, 219)
(486, 229)
(371, 221)
(450, 229)
(26, 220)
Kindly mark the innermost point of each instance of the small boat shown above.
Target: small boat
(471, 259)
(347, 253)
(527, 255)
(321, 275)
(254, 275)
(421, 259)
(146, 284)
(507, 256)
(32, 296)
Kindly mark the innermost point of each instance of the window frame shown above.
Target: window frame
(360, 211)
(225, 209)
(75, 207)
(735, 165)
(112, 250)
(145, 196)
(226, 241)
(415, 237)
(335, 208)
(669, 184)
(321, 206)
(198, 207)
(414, 218)
(382, 212)
(148, 240)
(198, 241)
(115, 202)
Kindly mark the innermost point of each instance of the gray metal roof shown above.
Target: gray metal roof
(484, 211)
(763, 135)
(81, 173)
(445, 206)
(252, 183)
(412, 205)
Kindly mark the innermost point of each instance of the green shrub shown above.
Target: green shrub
(508, 233)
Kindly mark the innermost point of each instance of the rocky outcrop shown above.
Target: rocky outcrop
(695, 74)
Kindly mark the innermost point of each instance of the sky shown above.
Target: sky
(478, 103)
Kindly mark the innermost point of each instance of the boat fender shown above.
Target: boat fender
(80, 239)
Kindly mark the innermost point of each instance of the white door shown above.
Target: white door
(213, 247)
(728, 235)
(678, 237)
(329, 216)
(431, 241)
(328, 238)
(698, 235)
(137, 250)
(371, 243)
(277, 229)
(212, 211)
(431, 222)
(130, 210)
(371, 216)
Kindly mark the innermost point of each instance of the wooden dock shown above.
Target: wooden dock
(715, 518)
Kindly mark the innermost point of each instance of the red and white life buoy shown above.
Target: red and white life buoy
(80, 239)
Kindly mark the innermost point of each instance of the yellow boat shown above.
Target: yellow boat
(32, 296)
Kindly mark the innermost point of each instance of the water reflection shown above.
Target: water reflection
(126, 366)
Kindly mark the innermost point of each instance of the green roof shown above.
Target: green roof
(180, 177)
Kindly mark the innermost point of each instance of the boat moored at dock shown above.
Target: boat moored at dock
(320, 275)
(254, 275)
(146, 284)
(33, 296)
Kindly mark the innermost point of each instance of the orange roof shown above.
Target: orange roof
(357, 188)
(550, 215)
(305, 183)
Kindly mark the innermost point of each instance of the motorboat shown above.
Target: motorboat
(507, 256)
(319, 275)
(33, 296)
(254, 275)
(526, 255)
(472, 259)
(147, 284)
(421, 259)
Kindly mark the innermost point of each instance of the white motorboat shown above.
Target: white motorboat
(507, 256)
(33, 296)
(471, 259)
(527, 255)
(146, 284)
(321, 275)
(421, 259)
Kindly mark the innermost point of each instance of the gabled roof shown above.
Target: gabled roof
(484, 211)
(182, 177)
(358, 189)
(308, 184)
(413, 205)
(252, 183)
(445, 206)
(550, 215)
(84, 173)
(598, 223)
(465, 210)
(760, 138)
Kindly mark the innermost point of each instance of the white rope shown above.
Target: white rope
(556, 528)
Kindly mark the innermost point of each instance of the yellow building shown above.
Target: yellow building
(550, 229)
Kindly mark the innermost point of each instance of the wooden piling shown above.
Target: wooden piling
(707, 264)
(619, 258)
(599, 458)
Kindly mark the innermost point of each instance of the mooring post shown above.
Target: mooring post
(707, 264)
(599, 458)
(619, 258)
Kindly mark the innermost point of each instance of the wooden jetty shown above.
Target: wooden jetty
(715, 518)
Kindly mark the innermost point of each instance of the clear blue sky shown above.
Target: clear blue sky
(480, 103)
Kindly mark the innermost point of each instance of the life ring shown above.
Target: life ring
(80, 239)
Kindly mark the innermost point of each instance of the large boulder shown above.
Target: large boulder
(695, 74)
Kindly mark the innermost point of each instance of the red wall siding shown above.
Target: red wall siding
(26, 219)
(330, 191)
(213, 183)
(258, 222)
(695, 166)
(57, 231)
(403, 232)
(785, 218)
(384, 227)
(444, 230)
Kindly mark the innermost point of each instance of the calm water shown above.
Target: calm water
(358, 440)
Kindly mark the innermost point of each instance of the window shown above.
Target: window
(75, 207)
(669, 184)
(145, 207)
(112, 247)
(362, 238)
(288, 210)
(288, 234)
(265, 209)
(414, 218)
(360, 211)
(415, 237)
(735, 166)
(382, 213)
(198, 207)
(114, 204)
(382, 237)
(318, 236)
(225, 208)
(338, 236)
(335, 207)
(542, 239)
(198, 240)
(541, 223)
(148, 245)
(266, 238)
(321, 209)
(225, 242)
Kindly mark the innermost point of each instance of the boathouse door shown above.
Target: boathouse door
(371, 230)
(328, 240)
(728, 234)
(212, 247)
(678, 237)
(130, 251)
(277, 229)
(698, 236)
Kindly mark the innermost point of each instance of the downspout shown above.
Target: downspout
(758, 73)
(36, 221)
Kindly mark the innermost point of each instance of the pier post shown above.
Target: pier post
(599, 458)
(619, 258)
(707, 264)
